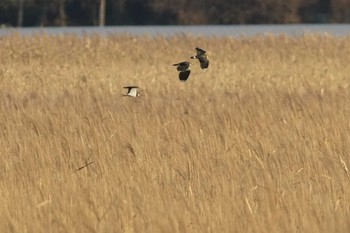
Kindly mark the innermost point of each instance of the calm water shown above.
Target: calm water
(216, 30)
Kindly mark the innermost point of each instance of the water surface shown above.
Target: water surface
(204, 30)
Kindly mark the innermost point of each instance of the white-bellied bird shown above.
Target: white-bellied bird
(132, 91)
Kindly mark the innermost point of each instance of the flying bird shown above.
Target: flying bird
(202, 58)
(132, 91)
(184, 68)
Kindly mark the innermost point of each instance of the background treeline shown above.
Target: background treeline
(165, 12)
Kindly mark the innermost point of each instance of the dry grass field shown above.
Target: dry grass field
(259, 142)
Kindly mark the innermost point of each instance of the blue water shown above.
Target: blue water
(338, 30)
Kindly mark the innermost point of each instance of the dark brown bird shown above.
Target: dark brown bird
(184, 68)
(202, 58)
(132, 91)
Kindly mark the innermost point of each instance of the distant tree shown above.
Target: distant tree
(340, 11)
(252, 11)
(115, 12)
(314, 11)
(165, 11)
(273, 11)
(62, 18)
(102, 13)
(146, 12)
(20, 13)
(137, 12)
(183, 12)
(8, 13)
(231, 11)
(83, 12)
(52, 12)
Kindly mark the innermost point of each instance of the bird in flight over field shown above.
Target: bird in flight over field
(184, 68)
(202, 58)
(132, 91)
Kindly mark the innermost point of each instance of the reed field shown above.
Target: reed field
(258, 142)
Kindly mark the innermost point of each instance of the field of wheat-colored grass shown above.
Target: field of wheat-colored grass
(259, 142)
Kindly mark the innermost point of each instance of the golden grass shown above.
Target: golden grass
(259, 142)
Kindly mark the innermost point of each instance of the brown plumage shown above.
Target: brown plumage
(202, 58)
(184, 68)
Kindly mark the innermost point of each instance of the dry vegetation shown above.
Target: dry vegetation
(259, 142)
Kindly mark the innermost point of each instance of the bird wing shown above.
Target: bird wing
(130, 87)
(204, 62)
(200, 51)
(133, 92)
(185, 65)
(183, 75)
(182, 66)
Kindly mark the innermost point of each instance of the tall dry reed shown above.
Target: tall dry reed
(259, 142)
